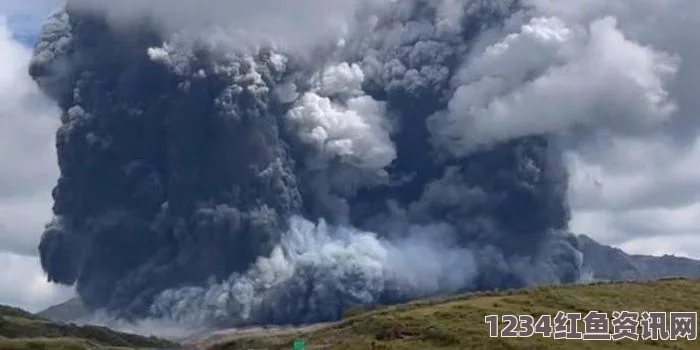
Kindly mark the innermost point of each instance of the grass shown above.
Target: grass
(458, 323)
(20, 330)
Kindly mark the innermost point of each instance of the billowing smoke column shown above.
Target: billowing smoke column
(209, 183)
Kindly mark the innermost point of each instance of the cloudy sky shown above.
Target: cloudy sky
(27, 160)
(641, 194)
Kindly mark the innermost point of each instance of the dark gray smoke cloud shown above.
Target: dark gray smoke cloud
(209, 183)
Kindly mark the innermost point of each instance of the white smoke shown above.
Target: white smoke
(341, 261)
(157, 327)
(551, 77)
(342, 122)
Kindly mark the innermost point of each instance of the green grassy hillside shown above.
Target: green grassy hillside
(458, 323)
(21, 330)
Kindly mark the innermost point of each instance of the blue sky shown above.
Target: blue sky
(24, 17)
(25, 29)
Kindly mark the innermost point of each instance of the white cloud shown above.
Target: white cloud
(29, 171)
(23, 284)
(641, 195)
(625, 174)
(684, 245)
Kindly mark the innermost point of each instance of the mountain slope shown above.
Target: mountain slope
(22, 330)
(458, 323)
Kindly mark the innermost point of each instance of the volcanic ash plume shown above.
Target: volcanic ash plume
(211, 181)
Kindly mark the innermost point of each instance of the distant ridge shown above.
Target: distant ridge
(612, 264)
(68, 311)
(20, 330)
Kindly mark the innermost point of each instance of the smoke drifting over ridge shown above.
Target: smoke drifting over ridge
(204, 182)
